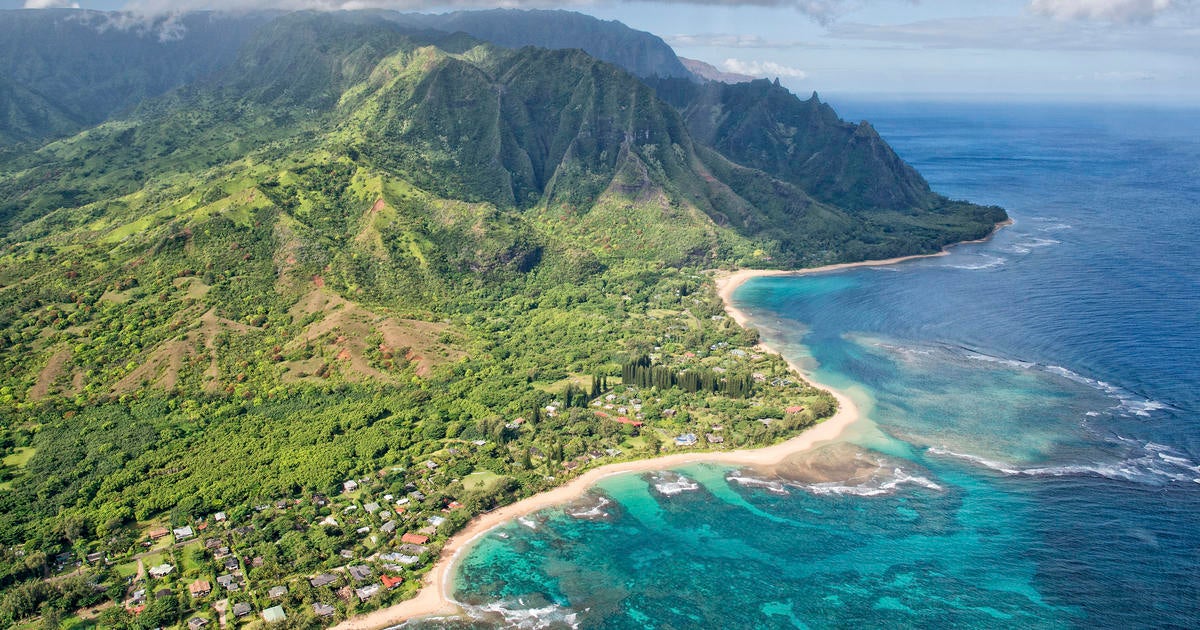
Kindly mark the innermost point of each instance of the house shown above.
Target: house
(347, 554)
(221, 552)
(231, 564)
(158, 532)
(412, 550)
(229, 582)
(668, 413)
(138, 596)
(220, 517)
(714, 439)
(274, 614)
(687, 439)
(391, 582)
(371, 508)
(416, 539)
(200, 588)
(257, 562)
(183, 533)
(163, 593)
(365, 529)
(360, 572)
(161, 570)
(436, 521)
(277, 591)
(320, 500)
(431, 465)
(794, 409)
(388, 527)
(400, 558)
(213, 543)
(95, 557)
(323, 610)
(350, 486)
(196, 623)
(367, 592)
(323, 579)
(241, 609)
(633, 423)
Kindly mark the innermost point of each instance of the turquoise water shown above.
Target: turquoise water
(1031, 456)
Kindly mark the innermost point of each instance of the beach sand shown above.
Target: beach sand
(434, 597)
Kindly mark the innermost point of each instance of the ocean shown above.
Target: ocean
(1031, 453)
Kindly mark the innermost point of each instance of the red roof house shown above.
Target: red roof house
(416, 539)
(390, 581)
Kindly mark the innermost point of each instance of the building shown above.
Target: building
(200, 588)
(196, 623)
(687, 439)
(391, 582)
(367, 592)
(323, 610)
(229, 582)
(416, 539)
(158, 532)
(161, 570)
(360, 572)
(183, 533)
(794, 409)
(323, 579)
(350, 486)
(277, 591)
(274, 614)
(241, 609)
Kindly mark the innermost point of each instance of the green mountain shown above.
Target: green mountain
(359, 246)
(82, 67)
(642, 54)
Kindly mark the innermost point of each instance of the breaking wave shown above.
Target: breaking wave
(873, 487)
(670, 484)
(1150, 464)
(1128, 403)
(509, 615)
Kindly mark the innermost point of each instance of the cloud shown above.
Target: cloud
(822, 11)
(729, 40)
(1105, 10)
(50, 4)
(1025, 33)
(762, 69)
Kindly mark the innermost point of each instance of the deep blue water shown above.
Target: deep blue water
(1033, 404)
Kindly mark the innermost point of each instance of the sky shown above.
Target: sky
(1036, 50)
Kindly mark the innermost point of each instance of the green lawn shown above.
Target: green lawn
(480, 479)
(20, 457)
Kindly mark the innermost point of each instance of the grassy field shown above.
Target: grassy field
(479, 479)
(20, 457)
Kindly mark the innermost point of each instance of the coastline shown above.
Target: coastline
(434, 599)
(728, 282)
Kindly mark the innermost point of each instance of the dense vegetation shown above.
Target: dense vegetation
(448, 273)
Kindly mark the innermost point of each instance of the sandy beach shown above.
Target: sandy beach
(434, 596)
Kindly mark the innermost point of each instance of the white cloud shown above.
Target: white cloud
(822, 11)
(1105, 10)
(762, 69)
(731, 40)
(50, 4)
(1025, 33)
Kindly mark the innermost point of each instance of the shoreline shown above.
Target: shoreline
(729, 281)
(433, 600)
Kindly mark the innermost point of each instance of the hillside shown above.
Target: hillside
(450, 272)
